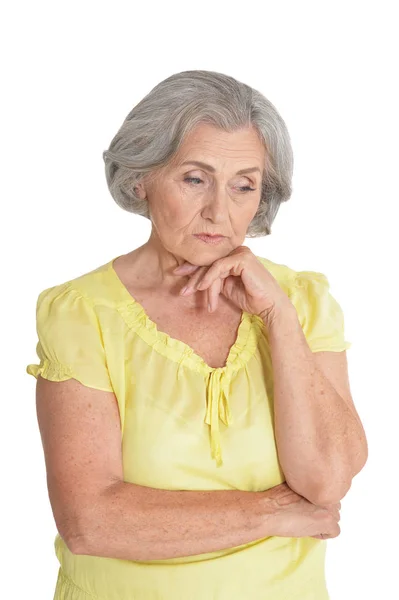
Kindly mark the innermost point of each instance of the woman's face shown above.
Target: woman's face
(187, 199)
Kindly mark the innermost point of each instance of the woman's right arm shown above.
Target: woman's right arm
(98, 513)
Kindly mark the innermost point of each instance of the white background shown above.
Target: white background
(71, 73)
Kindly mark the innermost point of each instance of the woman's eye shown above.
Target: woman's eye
(246, 188)
(190, 179)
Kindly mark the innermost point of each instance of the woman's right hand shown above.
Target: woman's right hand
(295, 516)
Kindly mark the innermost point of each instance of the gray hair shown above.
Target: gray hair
(154, 129)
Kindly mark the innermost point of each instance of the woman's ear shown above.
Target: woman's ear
(139, 190)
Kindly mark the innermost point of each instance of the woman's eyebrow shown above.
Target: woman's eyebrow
(212, 170)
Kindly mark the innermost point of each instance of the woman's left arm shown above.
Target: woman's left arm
(320, 439)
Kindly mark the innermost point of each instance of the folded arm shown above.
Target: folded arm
(320, 439)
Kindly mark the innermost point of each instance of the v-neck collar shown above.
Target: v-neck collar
(137, 319)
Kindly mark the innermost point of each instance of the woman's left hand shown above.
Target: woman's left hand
(241, 278)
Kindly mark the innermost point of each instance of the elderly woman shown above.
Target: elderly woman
(193, 399)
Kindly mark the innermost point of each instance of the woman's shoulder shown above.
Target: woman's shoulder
(291, 279)
(283, 274)
(94, 286)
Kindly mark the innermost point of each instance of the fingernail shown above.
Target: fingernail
(209, 308)
(184, 290)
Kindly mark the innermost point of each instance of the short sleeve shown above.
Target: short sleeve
(319, 313)
(70, 341)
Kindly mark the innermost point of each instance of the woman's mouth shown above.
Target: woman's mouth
(209, 239)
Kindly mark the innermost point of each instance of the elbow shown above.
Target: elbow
(330, 495)
(78, 544)
(361, 459)
(334, 489)
(331, 488)
(75, 534)
(85, 540)
(322, 496)
(89, 530)
(323, 492)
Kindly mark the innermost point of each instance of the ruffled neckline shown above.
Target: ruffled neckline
(135, 316)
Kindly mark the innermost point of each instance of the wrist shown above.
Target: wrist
(283, 310)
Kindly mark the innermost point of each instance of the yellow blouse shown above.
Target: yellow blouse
(185, 426)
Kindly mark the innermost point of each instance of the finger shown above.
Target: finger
(185, 268)
(213, 295)
(209, 278)
(191, 284)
